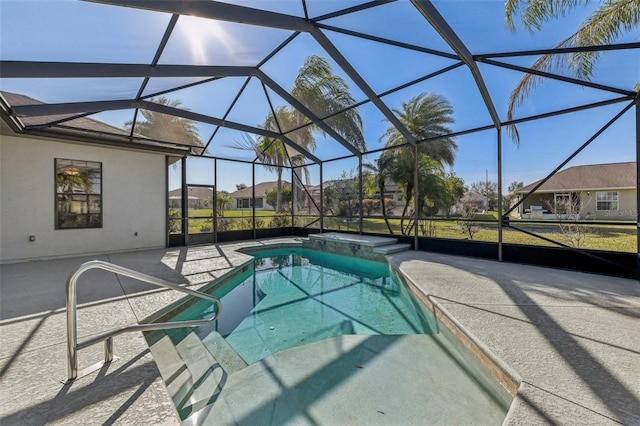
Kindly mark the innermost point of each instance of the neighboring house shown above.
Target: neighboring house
(391, 191)
(595, 191)
(199, 198)
(243, 197)
(471, 202)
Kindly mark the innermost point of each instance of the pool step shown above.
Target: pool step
(362, 246)
(224, 353)
(392, 248)
(192, 374)
(362, 240)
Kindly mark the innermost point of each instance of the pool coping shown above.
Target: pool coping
(454, 331)
(556, 387)
(497, 368)
(566, 337)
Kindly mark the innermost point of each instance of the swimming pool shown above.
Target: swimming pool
(304, 331)
(298, 296)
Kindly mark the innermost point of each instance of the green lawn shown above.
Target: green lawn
(200, 213)
(598, 236)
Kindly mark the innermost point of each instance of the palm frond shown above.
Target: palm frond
(534, 13)
(326, 94)
(603, 26)
(426, 116)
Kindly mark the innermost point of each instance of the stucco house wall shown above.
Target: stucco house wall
(247, 194)
(626, 208)
(584, 182)
(133, 200)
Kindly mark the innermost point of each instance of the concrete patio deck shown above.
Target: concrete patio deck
(572, 338)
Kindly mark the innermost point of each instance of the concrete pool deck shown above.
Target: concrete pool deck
(573, 339)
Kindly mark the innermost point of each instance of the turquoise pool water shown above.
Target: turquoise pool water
(308, 337)
(293, 297)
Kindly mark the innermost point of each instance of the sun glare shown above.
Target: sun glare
(206, 37)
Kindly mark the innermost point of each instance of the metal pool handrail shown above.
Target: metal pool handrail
(72, 333)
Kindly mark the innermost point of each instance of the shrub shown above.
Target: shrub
(281, 220)
(175, 220)
(370, 205)
(389, 204)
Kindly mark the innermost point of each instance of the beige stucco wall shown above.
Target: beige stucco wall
(627, 209)
(133, 191)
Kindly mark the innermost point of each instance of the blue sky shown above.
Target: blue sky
(77, 31)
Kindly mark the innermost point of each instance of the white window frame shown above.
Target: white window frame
(606, 199)
(565, 197)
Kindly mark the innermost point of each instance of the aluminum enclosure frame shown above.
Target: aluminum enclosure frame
(13, 114)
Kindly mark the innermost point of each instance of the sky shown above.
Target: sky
(55, 30)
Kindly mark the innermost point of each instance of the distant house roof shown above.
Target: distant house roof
(472, 197)
(261, 188)
(194, 193)
(389, 186)
(592, 176)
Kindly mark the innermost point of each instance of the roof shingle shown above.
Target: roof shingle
(592, 176)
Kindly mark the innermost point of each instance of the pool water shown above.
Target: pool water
(308, 337)
(297, 296)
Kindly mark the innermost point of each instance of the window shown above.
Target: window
(566, 203)
(243, 203)
(78, 194)
(606, 200)
(562, 203)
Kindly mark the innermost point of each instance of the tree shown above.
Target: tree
(325, 94)
(381, 172)
(369, 205)
(489, 190)
(430, 182)
(515, 186)
(607, 23)
(344, 194)
(240, 186)
(271, 152)
(508, 199)
(568, 212)
(166, 127)
(426, 116)
(431, 186)
(274, 196)
(454, 191)
(223, 198)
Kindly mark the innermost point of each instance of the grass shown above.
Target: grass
(203, 213)
(599, 237)
(619, 238)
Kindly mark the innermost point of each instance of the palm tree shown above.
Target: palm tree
(271, 152)
(324, 93)
(381, 171)
(273, 155)
(607, 23)
(426, 116)
(166, 127)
